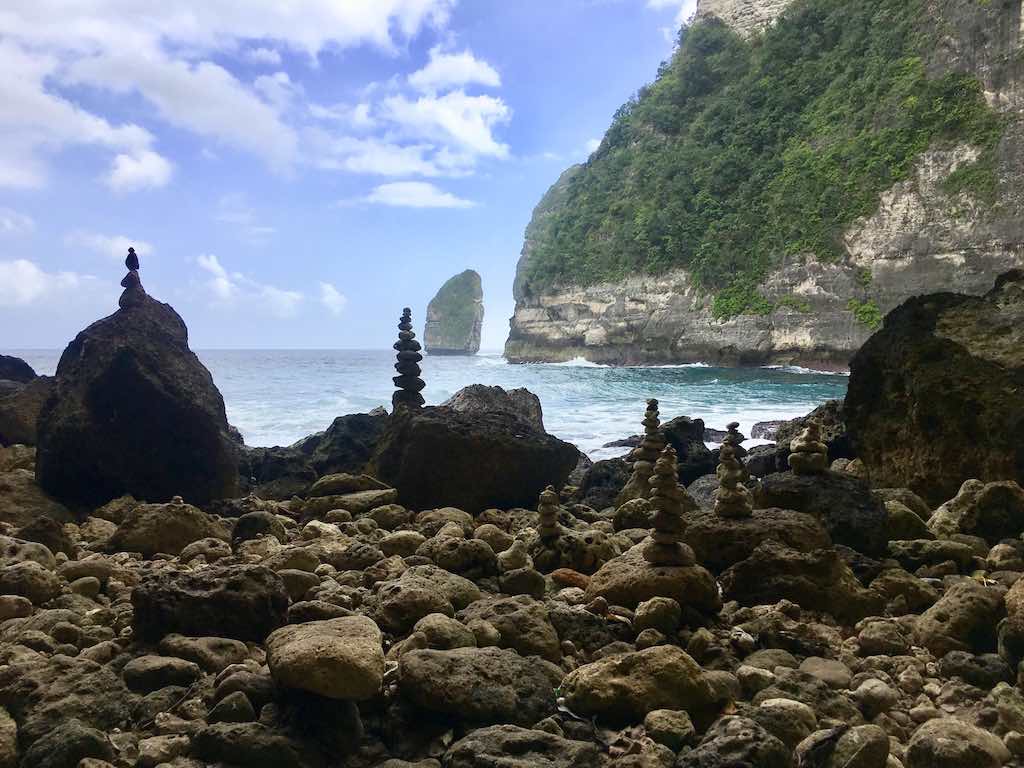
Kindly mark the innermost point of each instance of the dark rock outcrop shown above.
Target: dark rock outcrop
(134, 411)
(455, 316)
(686, 436)
(934, 397)
(602, 483)
(478, 398)
(829, 416)
(439, 457)
(15, 369)
(19, 411)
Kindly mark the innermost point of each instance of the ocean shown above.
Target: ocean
(276, 397)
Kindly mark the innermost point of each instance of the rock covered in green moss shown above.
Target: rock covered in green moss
(455, 316)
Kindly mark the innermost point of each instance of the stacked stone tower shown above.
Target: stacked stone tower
(408, 379)
(733, 500)
(548, 528)
(808, 454)
(670, 504)
(644, 456)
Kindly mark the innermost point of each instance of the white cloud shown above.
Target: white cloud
(146, 169)
(466, 121)
(232, 209)
(332, 298)
(114, 247)
(686, 8)
(592, 146)
(229, 288)
(23, 282)
(448, 70)
(278, 90)
(415, 194)
(14, 223)
(264, 56)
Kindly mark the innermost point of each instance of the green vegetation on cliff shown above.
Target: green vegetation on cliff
(743, 153)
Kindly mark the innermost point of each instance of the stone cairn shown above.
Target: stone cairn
(670, 502)
(408, 379)
(733, 499)
(808, 454)
(134, 294)
(547, 549)
(644, 456)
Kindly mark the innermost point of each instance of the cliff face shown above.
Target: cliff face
(455, 316)
(929, 232)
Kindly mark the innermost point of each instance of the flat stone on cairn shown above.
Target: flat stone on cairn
(134, 294)
(808, 454)
(670, 502)
(408, 358)
(644, 456)
(733, 499)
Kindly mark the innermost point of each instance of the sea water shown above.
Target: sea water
(276, 397)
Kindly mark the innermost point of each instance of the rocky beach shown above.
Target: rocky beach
(453, 586)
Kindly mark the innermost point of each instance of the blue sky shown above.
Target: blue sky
(293, 179)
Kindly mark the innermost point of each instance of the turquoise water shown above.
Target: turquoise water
(276, 397)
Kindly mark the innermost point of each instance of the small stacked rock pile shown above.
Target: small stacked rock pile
(808, 454)
(670, 502)
(408, 379)
(644, 456)
(548, 529)
(733, 499)
(134, 293)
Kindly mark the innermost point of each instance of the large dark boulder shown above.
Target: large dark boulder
(438, 457)
(478, 398)
(602, 483)
(19, 411)
(935, 396)
(853, 515)
(15, 369)
(244, 602)
(134, 411)
(686, 435)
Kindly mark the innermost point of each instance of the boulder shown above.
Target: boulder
(510, 746)
(523, 622)
(993, 511)
(720, 542)
(933, 398)
(1011, 631)
(830, 416)
(19, 411)
(849, 511)
(736, 741)
(15, 369)
(134, 411)
(439, 457)
(22, 501)
(963, 619)
(164, 528)
(337, 658)
(629, 580)
(623, 688)
(479, 685)
(952, 743)
(455, 316)
(686, 435)
(244, 602)
(345, 446)
(602, 483)
(816, 581)
(479, 398)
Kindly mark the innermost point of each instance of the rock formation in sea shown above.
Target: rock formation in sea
(408, 380)
(134, 411)
(934, 397)
(624, 263)
(455, 316)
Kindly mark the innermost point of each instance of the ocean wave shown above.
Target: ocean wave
(802, 370)
(580, 362)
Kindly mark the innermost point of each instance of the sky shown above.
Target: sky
(293, 174)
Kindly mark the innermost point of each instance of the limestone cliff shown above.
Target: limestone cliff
(455, 316)
(936, 229)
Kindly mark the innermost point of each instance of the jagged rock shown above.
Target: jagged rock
(846, 507)
(455, 316)
(629, 579)
(932, 396)
(963, 619)
(337, 658)
(19, 411)
(16, 369)
(993, 511)
(479, 398)
(481, 685)
(686, 436)
(513, 747)
(623, 688)
(721, 542)
(134, 411)
(817, 581)
(164, 528)
(244, 602)
(438, 457)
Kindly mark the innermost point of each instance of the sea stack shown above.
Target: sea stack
(408, 379)
(644, 456)
(670, 502)
(455, 316)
